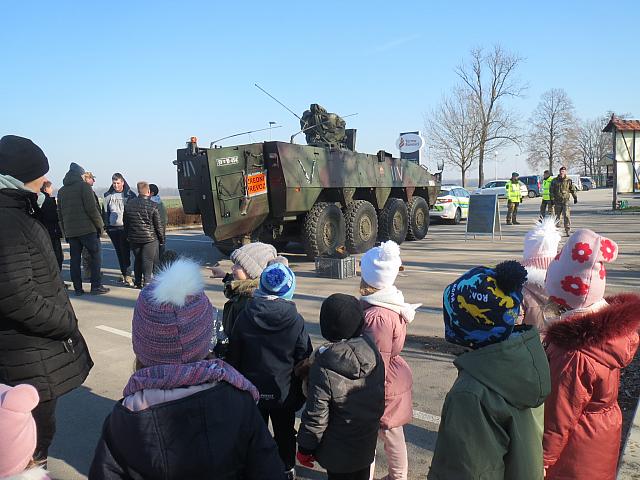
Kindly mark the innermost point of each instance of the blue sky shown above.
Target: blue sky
(119, 86)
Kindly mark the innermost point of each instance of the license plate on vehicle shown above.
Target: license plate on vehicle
(256, 184)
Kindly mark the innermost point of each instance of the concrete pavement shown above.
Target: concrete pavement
(430, 265)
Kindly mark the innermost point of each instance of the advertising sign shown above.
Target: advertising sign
(410, 146)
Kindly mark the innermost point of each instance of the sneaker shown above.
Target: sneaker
(128, 281)
(100, 291)
(290, 474)
(516, 223)
(138, 287)
(79, 293)
(508, 223)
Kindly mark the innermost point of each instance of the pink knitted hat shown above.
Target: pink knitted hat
(173, 320)
(577, 277)
(17, 428)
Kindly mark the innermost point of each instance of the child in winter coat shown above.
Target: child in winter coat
(488, 429)
(340, 422)
(183, 415)
(540, 248)
(248, 263)
(18, 434)
(590, 338)
(386, 318)
(268, 340)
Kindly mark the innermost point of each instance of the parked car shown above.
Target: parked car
(534, 185)
(452, 203)
(587, 183)
(497, 187)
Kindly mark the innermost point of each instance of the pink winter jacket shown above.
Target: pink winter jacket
(389, 330)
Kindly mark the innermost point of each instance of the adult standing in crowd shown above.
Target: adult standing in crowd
(562, 189)
(90, 179)
(546, 207)
(115, 200)
(48, 216)
(40, 343)
(144, 232)
(81, 224)
(514, 197)
(162, 209)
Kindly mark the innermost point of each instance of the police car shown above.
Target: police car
(451, 204)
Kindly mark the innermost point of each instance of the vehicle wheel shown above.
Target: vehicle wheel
(418, 211)
(361, 226)
(457, 217)
(532, 194)
(585, 188)
(323, 229)
(392, 221)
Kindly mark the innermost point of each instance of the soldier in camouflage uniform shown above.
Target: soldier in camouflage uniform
(562, 189)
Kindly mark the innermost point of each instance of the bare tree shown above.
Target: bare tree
(553, 131)
(490, 80)
(453, 131)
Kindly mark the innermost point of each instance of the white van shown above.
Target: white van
(575, 178)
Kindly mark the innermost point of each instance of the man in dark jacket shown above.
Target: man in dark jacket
(48, 216)
(144, 231)
(345, 403)
(267, 341)
(115, 200)
(82, 225)
(40, 343)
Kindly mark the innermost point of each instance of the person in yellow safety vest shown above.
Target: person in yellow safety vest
(547, 202)
(514, 197)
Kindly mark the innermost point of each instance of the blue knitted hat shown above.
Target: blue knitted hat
(278, 279)
(481, 307)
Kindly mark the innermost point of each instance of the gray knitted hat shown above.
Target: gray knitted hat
(254, 257)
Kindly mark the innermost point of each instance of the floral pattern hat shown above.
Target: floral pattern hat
(576, 278)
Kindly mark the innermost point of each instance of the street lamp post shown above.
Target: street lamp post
(495, 165)
(271, 124)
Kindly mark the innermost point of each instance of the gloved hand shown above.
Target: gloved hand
(575, 200)
(306, 460)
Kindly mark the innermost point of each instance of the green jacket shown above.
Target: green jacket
(488, 430)
(562, 189)
(546, 188)
(78, 210)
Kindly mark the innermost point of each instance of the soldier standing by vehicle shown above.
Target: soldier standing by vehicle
(547, 202)
(514, 197)
(562, 189)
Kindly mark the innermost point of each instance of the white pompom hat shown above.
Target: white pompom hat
(541, 244)
(380, 265)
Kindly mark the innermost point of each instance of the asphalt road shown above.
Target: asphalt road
(430, 265)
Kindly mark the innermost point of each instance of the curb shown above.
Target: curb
(186, 227)
(615, 212)
(629, 468)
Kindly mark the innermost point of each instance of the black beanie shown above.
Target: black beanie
(341, 317)
(22, 159)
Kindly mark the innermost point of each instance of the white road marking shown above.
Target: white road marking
(115, 331)
(426, 417)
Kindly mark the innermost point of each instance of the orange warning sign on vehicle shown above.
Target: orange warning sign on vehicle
(256, 184)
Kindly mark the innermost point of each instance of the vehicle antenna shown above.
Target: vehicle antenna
(242, 133)
(288, 109)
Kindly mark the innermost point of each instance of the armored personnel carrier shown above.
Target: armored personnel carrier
(323, 194)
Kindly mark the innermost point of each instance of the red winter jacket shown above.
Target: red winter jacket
(582, 418)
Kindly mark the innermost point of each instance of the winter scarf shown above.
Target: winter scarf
(7, 181)
(392, 299)
(165, 377)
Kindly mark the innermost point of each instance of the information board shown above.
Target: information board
(484, 216)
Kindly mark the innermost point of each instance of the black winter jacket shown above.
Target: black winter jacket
(48, 216)
(40, 343)
(345, 402)
(142, 221)
(216, 433)
(267, 341)
(78, 209)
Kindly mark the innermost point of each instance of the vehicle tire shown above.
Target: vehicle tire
(392, 221)
(323, 229)
(361, 226)
(457, 217)
(532, 194)
(585, 188)
(418, 211)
